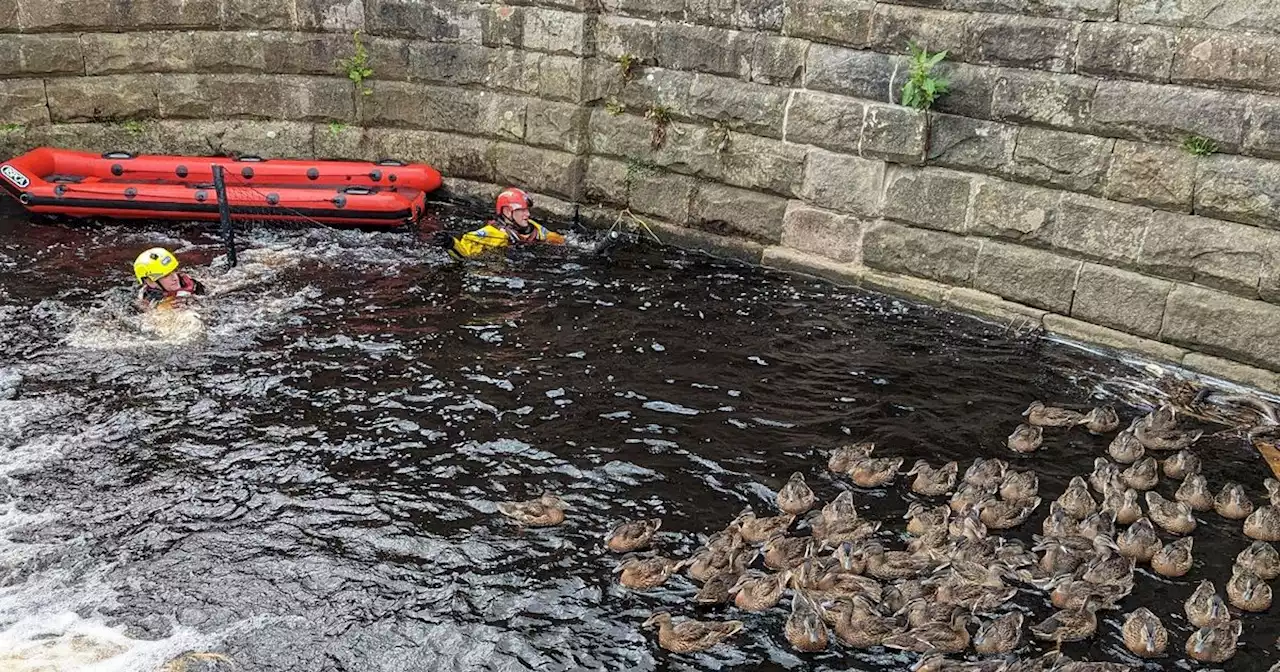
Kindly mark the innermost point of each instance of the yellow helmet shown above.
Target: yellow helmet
(154, 264)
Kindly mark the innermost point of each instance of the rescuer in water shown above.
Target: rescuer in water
(512, 227)
(161, 283)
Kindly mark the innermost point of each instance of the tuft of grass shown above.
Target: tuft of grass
(1197, 145)
(660, 115)
(614, 106)
(133, 127)
(628, 66)
(923, 87)
(356, 66)
(11, 128)
(336, 128)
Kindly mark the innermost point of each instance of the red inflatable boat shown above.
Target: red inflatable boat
(123, 186)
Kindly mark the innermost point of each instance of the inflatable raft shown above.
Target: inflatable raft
(120, 185)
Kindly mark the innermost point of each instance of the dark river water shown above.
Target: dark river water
(302, 474)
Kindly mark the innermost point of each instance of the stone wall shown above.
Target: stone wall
(1048, 188)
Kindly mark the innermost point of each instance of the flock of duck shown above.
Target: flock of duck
(846, 587)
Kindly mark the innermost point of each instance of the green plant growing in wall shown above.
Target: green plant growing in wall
(660, 115)
(356, 66)
(628, 66)
(923, 87)
(614, 106)
(133, 127)
(638, 168)
(10, 128)
(1199, 145)
(336, 128)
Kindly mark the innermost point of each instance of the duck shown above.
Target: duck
(1164, 440)
(1194, 492)
(1058, 558)
(709, 561)
(1232, 502)
(951, 637)
(837, 584)
(874, 472)
(967, 523)
(840, 514)
(1049, 416)
(1273, 491)
(1260, 558)
(1105, 476)
(633, 535)
(728, 539)
(805, 628)
(1001, 635)
(1102, 522)
(781, 553)
(968, 494)
(1247, 591)
(1019, 486)
(716, 589)
(986, 473)
(1070, 594)
(1101, 420)
(639, 573)
(1076, 500)
(937, 662)
(1071, 625)
(998, 514)
(1124, 505)
(1144, 635)
(758, 591)
(756, 530)
(1140, 541)
(934, 543)
(1026, 439)
(1183, 464)
(1058, 523)
(1142, 475)
(933, 482)
(796, 497)
(1125, 448)
(847, 531)
(1110, 568)
(862, 627)
(848, 558)
(1263, 524)
(545, 511)
(1175, 559)
(1205, 607)
(1172, 517)
(920, 518)
(691, 635)
(886, 565)
(842, 458)
(898, 596)
(1214, 643)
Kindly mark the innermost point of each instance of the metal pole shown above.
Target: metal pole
(224, 214)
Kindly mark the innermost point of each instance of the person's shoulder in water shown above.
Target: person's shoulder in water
(159, 279)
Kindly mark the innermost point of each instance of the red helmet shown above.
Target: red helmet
(513, 198)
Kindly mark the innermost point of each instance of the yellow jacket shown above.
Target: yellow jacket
(491, 237)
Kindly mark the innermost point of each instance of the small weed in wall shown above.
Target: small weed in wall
(628, 66)
(614, 106)
(356, 66)
(660, 115)
(923, 87)
(10, 128)
(336, 128)
(719, 137)
(133, 127)
(1199, 145)
(637, 169)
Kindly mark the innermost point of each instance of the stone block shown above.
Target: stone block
(763, 164)
(257, 14)
(1228, 59)
(788, 260)
(560, 78)
(843, 182)
(893, 27)
(22, 101)
(893, 133)
(717, 13)
(544, 170)
(453, 155)
(1059, 159)
(765, 15)
(933, 255)
(929, 198)
(1239, 189)
(404, 105)
(1267, 381)
(1095, 10)
(9, 22)
(1062, 101)
(852, 72)
(1128, 344)
(33, 55)
(217, 52)
(1026, 275)
(655, 9)
(754, 108)
(334, 141)
(605, 181)
(825, 120)
(1224, 325)
(1224, 14)
(1151, 112)
(659, 87)
(904, 286)
(1227, 256)
(430, 20)
(1125, 50)
(1022, 42)
(450, 63)
(970, 144)
(619, 35)
(512, 70)
(1009, 210)
(779, 61)
(1122, 300)
(660, 194)
(556, 32)
(560, 126)
(1262, 132)
(334, 16)
(502, 116)
(105, 98)
(502, 25)
(268, 139)
(1156, 175)
(987, 305)
(725, 210)
(727, 247)
(821, 232)
(717, 51)
(42, 17)
(389, 56)
(275, 97)
(1098, 229)
(846, 22)
(972, 89)
(293, 53)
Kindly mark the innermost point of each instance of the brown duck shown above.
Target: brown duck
(933, 482)
(757, 591)
(920, 518)
(1019, 486)
(1205, 607)
(1247, 591)
(842, 458)
(862, 627)
(1172, 517)
(1165, 440)
(1076, 500)
(1124, 505)
(986, 473)
(1026, 439)
(1263, 524)
(639, 573)
(796, 497)
(1181, 465)
(1260, 558)
(1232, 502)
(545, 511)
(1069, 626)
(1215, 643)
(1101, 420)
(633, 535)
(781, 553)
(1105, 476)
(805, 628)
(999, 514)
(756, 530)
(1048, 416)
(952, 637)
(1125, 448)
(1175, 559)
(1142, 475)
(969, 494)
(1001, 635)
(690, 635)
(884, 564)
(874, 472)
(716, 589)
(1144, 634)
(1194, 492)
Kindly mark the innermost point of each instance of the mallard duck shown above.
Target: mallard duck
(781, 553)
(842, 458)
(1173, 517)
(545, 511)
(834, 584)
(689, 635)
(884, 564)
(708, 562)
(1026, 439)
(895, 597)
(1110, 568)
(1164, 417)
(716, 589)
(998, 514)
(1124, 505)
(1069, 594)
(1001, 635)
(796, 497)
(1164, 440)
(633, 535)
(1139, 541)
(1194, 492)
(1071, 625)
(934, 543)
(639, 573)
(1260, 558)
(1214, 644)
(1247, 591)
(1019, 486)
(848, 558)
(874, 472)
(1232, 502)
(1058, 558)
(1101, 420)
(1263, 524)
(932, 482)
(920, 518)
(937, 662)
(1125, 448)
(862, 627)
(1205, 607)
(805, 628)
(1048, 416)
(840, 515)
(975, 598)
(967, 522)
(756, 530)
(921, 611)
(968, 494)
(952, 637)
(1144, 634)
(1181, 465)
(728, 539)
(1175, 559)
(1102, 522)
(1105, 476)
(1273, 491)
(757, 591)
(986, 474)
(1058, 523)
(1076, 500)
(1142, 475)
